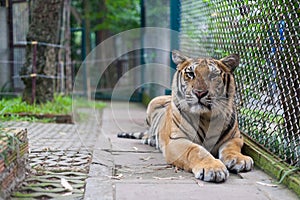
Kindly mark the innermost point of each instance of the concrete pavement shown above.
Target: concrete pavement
(126, 169)
(118, 169)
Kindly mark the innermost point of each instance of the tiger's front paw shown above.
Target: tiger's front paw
(212, 171)
(237, 162)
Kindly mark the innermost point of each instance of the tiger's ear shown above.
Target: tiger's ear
(231, 61)
(178, 57)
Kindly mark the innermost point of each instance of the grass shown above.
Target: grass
(61, 105)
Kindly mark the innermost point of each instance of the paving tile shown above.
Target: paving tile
(141, 173)
(99, 189)
(126, 169)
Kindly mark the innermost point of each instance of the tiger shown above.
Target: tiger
(196, 127)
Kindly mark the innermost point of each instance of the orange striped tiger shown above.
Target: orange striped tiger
(196, 127)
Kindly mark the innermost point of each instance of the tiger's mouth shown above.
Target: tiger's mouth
(203, 98)
(200, 104)
(206, 104)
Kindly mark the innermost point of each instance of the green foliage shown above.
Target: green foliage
(61, 105)
(83, 103)
(157, 13)
(118, 16)
(262, 115)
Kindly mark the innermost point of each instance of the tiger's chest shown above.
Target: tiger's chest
(203, 130)
(212, 131)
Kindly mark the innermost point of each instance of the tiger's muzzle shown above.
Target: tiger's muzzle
(200, 93)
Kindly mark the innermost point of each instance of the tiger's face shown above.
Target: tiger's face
(204, 84)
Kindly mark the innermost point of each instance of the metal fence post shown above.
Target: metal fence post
(142, 52)
(33, 75)
(175, 9)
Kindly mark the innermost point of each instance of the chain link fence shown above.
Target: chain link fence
(266, 35)
(14, 23)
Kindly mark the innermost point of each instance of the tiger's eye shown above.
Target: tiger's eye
(214, 75)
(190, 75)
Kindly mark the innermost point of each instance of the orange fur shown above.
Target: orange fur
(194, 131)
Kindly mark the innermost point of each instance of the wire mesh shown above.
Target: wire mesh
(14, 59)
(266, 35)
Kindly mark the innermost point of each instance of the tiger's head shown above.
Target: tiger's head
(203, 85)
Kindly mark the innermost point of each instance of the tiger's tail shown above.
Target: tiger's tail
(132, 135)
(143, 136)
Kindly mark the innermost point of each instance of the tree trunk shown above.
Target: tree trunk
(44, 28)
(69, 82)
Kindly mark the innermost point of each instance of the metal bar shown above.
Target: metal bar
(38, 76)
(175, 9)
(19, 1)
(10, 62)
(62, 75)
(19, 45)
(83, 54)
(76, 29)
(34, 72)
(11, 40)
(142, 52)
(39, 43)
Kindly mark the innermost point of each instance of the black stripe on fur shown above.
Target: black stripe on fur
(135, 135)
(227, 84)
(229, 126)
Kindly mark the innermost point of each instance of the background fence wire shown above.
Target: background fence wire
(14, 23)
(266, 35)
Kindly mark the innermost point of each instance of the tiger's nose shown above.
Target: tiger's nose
(200, 93)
